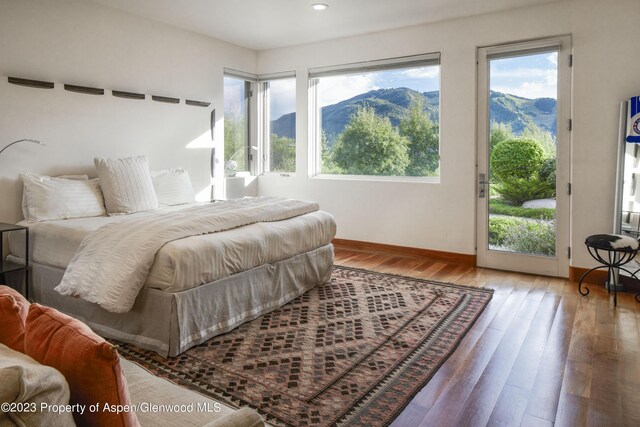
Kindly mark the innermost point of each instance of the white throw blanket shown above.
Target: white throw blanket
(112, 262)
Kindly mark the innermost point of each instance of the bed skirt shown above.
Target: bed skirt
(170, 323)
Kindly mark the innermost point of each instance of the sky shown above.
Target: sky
(531, 76)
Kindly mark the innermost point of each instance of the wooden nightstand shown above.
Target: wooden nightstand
(8, 266)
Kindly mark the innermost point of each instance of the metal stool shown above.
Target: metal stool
(620, 250)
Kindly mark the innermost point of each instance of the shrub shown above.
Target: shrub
(522, 235)
(547, 172)
(533, 237)
(498, 229)
(516, 159)
(518, 191)
(498, 207)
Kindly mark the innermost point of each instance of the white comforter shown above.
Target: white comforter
(112, 263)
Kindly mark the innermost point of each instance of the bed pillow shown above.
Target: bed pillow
(25, 382)
(173, 187)
(25, 211)
(13, 316)
(126, 184)
(46, 198)
(90, 365)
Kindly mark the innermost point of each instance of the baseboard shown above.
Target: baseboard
(596, 277)
(450, 257)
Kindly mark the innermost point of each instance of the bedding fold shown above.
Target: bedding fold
(112, 262)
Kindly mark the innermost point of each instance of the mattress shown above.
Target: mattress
(186, 263)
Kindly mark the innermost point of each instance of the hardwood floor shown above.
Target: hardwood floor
(539, 355)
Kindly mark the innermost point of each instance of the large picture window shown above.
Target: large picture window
(378, 118)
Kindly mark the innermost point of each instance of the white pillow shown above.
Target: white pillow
(25, 210)
(78, 177)
(45, 198)
(173, 187)
(126, 184)
(26, 383)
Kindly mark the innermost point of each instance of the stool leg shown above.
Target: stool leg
(612, 260)
(615, 288)
(582, 279)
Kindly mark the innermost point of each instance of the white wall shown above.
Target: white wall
(442, 216)
(78, 42)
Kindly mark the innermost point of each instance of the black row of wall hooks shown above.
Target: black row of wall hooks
(97, 91)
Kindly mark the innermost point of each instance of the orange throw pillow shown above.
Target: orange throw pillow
(90, 365)
(13, 315)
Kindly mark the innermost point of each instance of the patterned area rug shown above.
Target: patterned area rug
(350, 352)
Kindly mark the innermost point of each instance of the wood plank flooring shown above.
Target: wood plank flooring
(539, 355)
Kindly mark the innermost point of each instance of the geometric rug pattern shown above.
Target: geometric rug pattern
(350, 352)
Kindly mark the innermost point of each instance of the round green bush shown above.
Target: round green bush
(516, 159)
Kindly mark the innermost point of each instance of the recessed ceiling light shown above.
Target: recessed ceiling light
(319, 6)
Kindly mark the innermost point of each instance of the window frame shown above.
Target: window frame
(264, 121)
(251, 82)
(315, 120)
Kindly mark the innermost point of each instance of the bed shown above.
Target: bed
(197, 286)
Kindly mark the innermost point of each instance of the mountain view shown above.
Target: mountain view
(394, 103)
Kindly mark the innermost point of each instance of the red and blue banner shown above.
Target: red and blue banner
(633, 120)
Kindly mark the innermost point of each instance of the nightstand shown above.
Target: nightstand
(8, 266)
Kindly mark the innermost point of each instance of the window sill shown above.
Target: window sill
(399, 179)
(279, 174)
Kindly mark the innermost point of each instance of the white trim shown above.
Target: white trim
(314, 126)
(250, 77)
(376, 65)
(277, 76)
(263, 127)
(529, 47)
(551, 266)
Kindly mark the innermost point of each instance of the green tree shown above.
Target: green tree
(499, 132)
(424, 147)
(544, 139)
(283, 154)
(327, 165)
(370, 145)
(235, 139)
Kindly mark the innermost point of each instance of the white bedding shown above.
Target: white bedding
(186, 263)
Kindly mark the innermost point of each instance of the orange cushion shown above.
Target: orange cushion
(13, 315)
(90, 365)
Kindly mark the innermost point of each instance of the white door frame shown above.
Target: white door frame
(549, 266)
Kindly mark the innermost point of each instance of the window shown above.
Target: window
(379, 118)
(279, 123)
(237, 148)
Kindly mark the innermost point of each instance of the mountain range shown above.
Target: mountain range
(394, 103)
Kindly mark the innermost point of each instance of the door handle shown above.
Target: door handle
(482, 181)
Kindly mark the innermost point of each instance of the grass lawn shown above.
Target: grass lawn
(498, 207)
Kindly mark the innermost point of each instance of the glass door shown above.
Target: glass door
(523, 157)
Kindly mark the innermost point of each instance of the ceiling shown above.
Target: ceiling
(268, 24)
